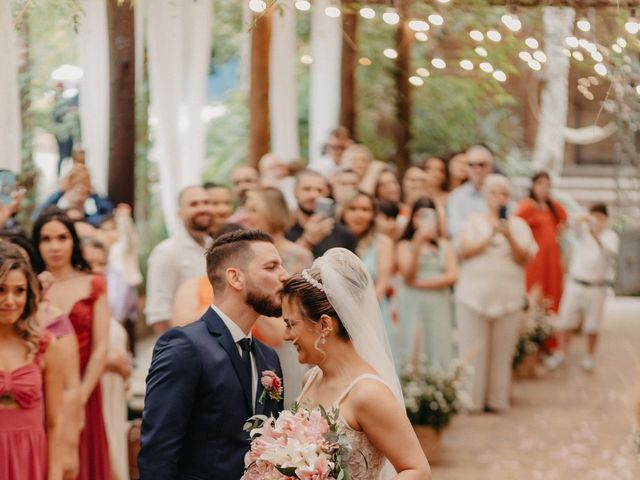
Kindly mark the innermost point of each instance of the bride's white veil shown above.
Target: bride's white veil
(351, 292)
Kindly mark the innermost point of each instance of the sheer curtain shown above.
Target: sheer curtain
(93, 57)
(283, 92)
(10, 128)
(179, 44)
(326, 50)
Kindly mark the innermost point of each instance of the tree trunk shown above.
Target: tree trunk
(403, 103)
(122, 101)
(349, 62)
(259, 132)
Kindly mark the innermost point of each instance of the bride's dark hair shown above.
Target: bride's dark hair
(312, 301)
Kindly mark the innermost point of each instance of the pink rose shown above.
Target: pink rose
(270, 380)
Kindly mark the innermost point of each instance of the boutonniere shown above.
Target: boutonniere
(272, 385)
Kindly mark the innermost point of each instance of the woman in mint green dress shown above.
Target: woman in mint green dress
(429, 268)
(376, 251)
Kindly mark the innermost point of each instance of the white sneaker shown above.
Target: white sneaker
(587, 364)
(554, 361)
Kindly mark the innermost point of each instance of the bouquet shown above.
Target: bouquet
(433, 395)
(300, 443)
(538, 338)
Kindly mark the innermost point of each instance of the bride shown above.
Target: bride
(334, 322)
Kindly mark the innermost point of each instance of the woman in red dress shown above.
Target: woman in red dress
(31, 378)
(82, 296)
(546, 218)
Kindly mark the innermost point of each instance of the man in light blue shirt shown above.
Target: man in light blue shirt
(468, 197)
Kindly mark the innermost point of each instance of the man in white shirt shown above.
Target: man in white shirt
(328, 163)
(179, 257)
(590, 275)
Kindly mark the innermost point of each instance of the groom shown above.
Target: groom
(204, 380)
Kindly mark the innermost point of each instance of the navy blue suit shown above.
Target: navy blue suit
(196, 405)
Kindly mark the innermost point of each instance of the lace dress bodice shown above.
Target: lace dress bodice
(365, 460)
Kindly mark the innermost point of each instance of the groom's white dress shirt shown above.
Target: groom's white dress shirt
(237, 334)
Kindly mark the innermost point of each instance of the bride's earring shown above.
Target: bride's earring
(323, 338)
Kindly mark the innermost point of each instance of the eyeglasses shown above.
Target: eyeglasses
(477, 164)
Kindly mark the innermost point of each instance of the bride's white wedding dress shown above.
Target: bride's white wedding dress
(366, 461)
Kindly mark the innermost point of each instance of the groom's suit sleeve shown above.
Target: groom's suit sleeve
(171, 390)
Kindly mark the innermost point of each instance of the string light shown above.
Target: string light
(500, 76)
(367, 12)
(616, 48)
(571, 42)
(439, 63)
(476, 35)
(532, 43)
(418, 25)
(566, 52)
(578, 55)
(525, 56)
(494, 35)
(512, 22)
(583, 24)
(600, 69)
(306, 59)
(435, 19)
(534, 65)
(444, 1)
(421, 36)
(597, 56)
(466, 64)
(391, 17)
(333, 12)
(303, 5)
(257, 6)
(364, 61)
(423, 72)
(416, 81)
(632, 26)
(390, 53)
(481, 51)
(486, 67)
(622, 42)
(540, 56)
(594, 80)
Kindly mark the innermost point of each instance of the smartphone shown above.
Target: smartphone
(7, 186)
(428, 218)
(502, 213)
(325, 207)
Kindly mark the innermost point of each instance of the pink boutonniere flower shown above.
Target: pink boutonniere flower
(272, 385)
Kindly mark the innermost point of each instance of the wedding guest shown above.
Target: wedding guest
(374, 249)
(388, 187)
(83, 297)
(314, 231)
(76, 193)
(591, 273)
(178, 258)
(490, 292)
(344, 183)
(458, 170)
(546, 217)
(437, 187)
(221, 205)
(274, 172)
(243, 179)
(339, 141)
(429, 269)
(414, 185)
(468, 198)
(387, 219)
(31, 378)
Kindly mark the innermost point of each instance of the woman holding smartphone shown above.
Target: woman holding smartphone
(490, 294)
(429, 268)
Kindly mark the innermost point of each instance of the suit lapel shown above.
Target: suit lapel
(217, 328)
(261, 363)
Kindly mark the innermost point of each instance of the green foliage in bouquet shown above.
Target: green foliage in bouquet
(433, 395)
(535, 339)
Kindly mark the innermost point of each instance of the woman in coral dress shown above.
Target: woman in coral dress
(82, 296)
(31, 378)
(546, 218)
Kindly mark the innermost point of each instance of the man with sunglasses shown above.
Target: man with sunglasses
(468, 198)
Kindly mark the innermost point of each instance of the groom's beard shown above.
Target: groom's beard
(263, 304)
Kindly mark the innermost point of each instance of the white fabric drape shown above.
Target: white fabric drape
(179, 42)
(326, 50)
(93, 58)
(549, 146)
(10, 128)
(283, 93)
(589, 135)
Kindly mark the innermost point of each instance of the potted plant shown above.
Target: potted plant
(537, 340)
(433, 396)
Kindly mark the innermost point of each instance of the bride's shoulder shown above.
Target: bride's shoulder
(370, 388)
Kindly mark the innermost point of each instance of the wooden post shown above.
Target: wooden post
(122, 101)
(349, 62)
(404, 39)
(259, 131)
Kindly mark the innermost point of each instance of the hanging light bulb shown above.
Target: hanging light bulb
(597, 56)
(578, 55)
(418, 25)
(476, 35)
(438, 63)
(367, 12)
(466, 65)
(333, 12)
(435, 19)
(532, 43)
(364, 61)
(390, 53)
(512, 22)
(583, 24)
(525, 56)
(535, 65)
(421, 36)
(486, 67)
(571, 42)
(423, 72)
(481, 51)
(444, 1)
(600, 69)
(257, 6)
(566, 52)
(416, 81)
(540, 56)
(622, 42)
(494, 35)
(616, 48)
(500, 76)
(632, 26)
(303, 5)
(391, 17)
(306, 59)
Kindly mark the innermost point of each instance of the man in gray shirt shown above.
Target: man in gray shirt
(179, 257)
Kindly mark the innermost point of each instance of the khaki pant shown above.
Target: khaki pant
(488, 345)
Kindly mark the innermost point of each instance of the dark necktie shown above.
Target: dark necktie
(246, 346)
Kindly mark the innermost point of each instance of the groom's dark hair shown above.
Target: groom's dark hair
(233, 248)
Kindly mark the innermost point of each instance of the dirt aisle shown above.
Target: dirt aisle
(568, 425)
